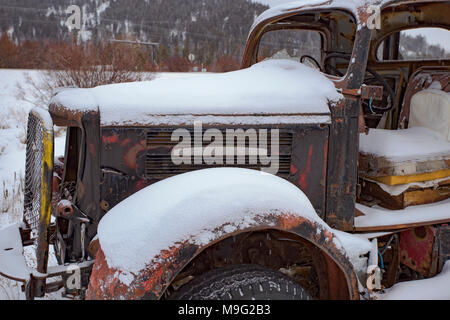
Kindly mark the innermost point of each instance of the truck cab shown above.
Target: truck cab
(324, 135)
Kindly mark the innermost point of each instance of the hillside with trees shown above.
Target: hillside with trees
(213, 31)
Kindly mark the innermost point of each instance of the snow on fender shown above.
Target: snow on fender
(149, 237)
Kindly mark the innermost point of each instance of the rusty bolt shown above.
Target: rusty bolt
(64, 208)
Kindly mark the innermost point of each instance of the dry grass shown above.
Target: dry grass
(11, 206)
(10, 289)
(88, 66)
(12, 197)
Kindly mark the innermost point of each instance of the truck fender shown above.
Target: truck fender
(152, 281)
(109, 281)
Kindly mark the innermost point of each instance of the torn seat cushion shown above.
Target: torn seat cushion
(431, 109)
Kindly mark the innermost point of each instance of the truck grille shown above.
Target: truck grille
(36, 183)
(159, 164)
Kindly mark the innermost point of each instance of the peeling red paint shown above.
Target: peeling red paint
(328, 235)
(294, 170)
(416, 246)
(302, 180)
(325, 158)
(141, 184)
(290, 221)
(92, 149)
(154, 279)
(125, 142)
(110, 139)
(131, 155)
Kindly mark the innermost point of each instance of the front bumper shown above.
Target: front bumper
(12, 261)
(14, 266)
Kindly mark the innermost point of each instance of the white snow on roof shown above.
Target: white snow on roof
(377, 216)
(348, 5)
(190, 207)
(269, 87)
(412, 144)
(285, 8)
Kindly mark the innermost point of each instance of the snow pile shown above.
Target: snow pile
(190, 207)
(412, 144)
(436, 288)
(298, 90)
(12, 261)
(356, 248)
(377, 216)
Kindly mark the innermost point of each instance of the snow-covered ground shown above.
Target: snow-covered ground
(436, 288)
(13, 117)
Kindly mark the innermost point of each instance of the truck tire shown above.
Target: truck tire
(241, 282)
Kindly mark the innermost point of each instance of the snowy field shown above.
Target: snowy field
(14, 108)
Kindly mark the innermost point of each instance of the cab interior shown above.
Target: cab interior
(404, 157)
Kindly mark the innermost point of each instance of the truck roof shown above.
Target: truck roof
(359, 8)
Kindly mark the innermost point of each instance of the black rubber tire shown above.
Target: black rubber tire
(241, 282)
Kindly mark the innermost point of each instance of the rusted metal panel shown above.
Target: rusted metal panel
(309, 164)
(416, 249)
(342, 166)
(162, 270)
(127, 153)
(444, 245)
(87, 194)
(374, 92)
(425, 249)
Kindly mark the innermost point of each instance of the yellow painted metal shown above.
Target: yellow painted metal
(396, 180)
(46, 192)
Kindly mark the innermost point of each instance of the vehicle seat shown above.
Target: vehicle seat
(411, 166)
(402, 156)
(430, 108)
(423, 81)
(421, 146)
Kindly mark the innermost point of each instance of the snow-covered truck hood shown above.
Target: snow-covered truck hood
(278, 88)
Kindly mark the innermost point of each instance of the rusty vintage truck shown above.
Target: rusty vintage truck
(359, 157)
